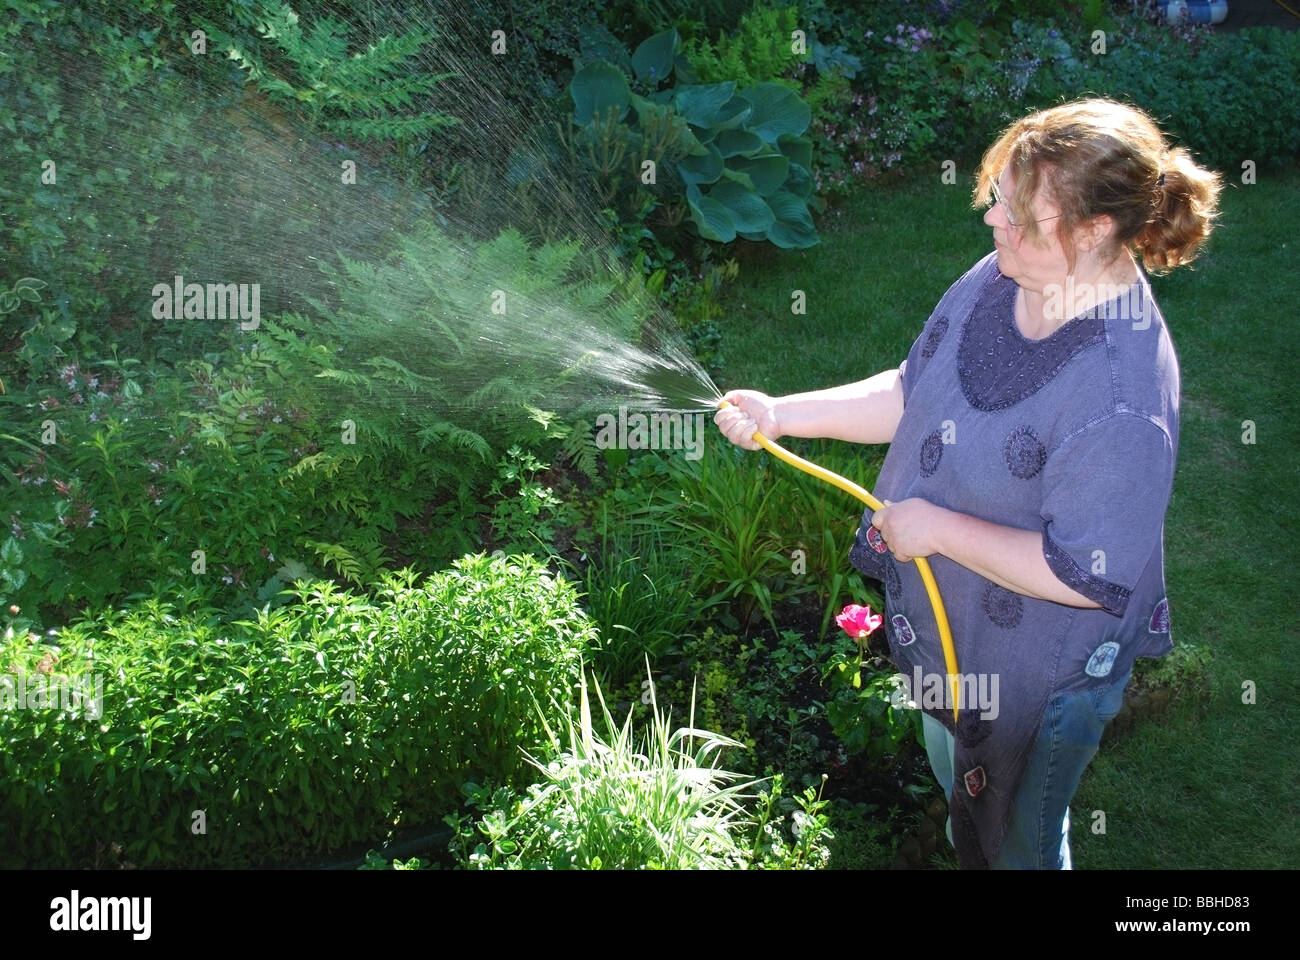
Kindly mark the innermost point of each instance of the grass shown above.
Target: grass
(1203, 785)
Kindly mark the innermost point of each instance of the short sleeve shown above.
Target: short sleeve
(1105, 492)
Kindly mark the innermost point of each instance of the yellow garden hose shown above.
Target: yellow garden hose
(922, 567)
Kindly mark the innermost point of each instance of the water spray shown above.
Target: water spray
(922, 566)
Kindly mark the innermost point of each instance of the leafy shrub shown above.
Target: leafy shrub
(530, 509)
(1207, 93)
(1185, 671)
(175, 198)
(866, 713)
(690, 293)
(803, 706)
(100, 233)
(744, 145)
(842, 129)
(155, 469)
(713, 674)
(83, 460)
(845, 135)
(542, 37)
(320, 724)
(359, 435)
(938, 92)
(865, 836)
(944, 79)
(400, 350)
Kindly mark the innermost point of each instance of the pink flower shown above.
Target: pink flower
(858, 621)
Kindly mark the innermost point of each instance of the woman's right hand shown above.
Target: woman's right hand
(749, 411)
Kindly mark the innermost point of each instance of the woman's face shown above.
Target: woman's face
(1032, 264)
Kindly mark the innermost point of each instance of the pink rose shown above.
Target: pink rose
(858, 621)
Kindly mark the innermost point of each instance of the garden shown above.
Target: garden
(363, 502)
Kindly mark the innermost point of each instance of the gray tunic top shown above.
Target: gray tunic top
(1074, 435)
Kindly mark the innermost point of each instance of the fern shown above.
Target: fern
(443, 434)
(579, 448)
(759, 50)
(362, 96)
(357, 564)
(403, 347)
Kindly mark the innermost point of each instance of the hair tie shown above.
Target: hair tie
(1160, 180)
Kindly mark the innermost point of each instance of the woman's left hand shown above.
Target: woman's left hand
(910, 528)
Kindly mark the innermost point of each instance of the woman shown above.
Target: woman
(1033, 431)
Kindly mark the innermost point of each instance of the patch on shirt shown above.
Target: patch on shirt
(1024, 453)
(1102, 659)
(931, 454)
(903, 632)
(875, 540)
(974, 780)
(1160, 617)
(1003, 607)
(934, 336)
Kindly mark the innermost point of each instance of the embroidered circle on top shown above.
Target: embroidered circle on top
(1102, 659)
(1024, 453)
(893, 580)
(1160, 617)
(931, 454)
(1003, 607)
(903, 632)
(972, 729)
(933, 338)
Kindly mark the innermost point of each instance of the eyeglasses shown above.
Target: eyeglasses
(1006, 207)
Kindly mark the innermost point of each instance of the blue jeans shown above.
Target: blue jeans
(1038, 833)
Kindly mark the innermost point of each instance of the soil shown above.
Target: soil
(856, 778)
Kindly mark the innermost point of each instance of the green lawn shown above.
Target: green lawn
(1203, 785)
